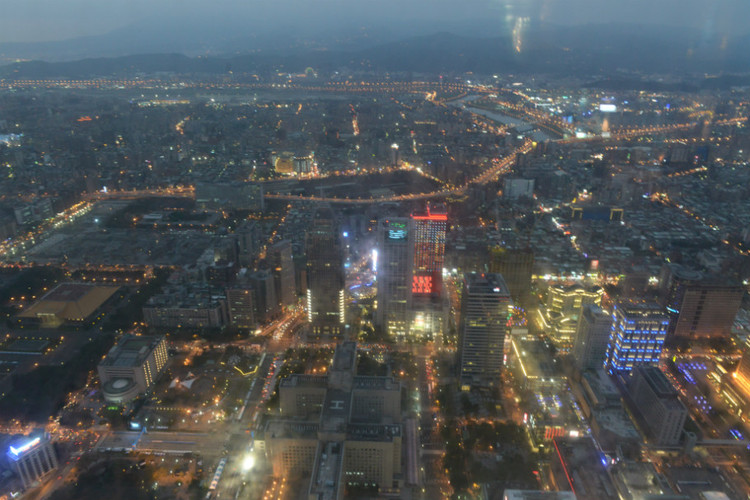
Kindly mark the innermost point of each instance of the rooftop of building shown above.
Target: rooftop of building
(693, 482)
(534, 358)
(583, 469)
(187, 297)
(336, 409)
(131, 350)
(327, 473)
(70, 301)
(300, 380)
(433, 212)
(650, 310)
(377, 383)
(486, 283)
(657, 381)
(577, 288)
(601, 385)
(372, 432)
(638, 480)
(290, 429)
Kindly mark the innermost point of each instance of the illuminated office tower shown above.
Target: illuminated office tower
(638, 332)
(394, 275)
(325, 299)
(429, 249)
(485, 309)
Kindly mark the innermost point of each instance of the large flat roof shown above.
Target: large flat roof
(70, 301)
(131, 350)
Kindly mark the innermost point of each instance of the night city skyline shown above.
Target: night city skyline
(487, 250)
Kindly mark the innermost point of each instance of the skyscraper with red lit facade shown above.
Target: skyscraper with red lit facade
(429, 249)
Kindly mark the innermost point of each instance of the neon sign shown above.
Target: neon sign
(397, 234)
(26, 447)
(421, 284)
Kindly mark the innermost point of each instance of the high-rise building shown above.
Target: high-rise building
(249, 239)
(279, 257)
(515, 265)
(32, 459)
(698, 307)
(485, 309)
(708, 311)
(241, 307)
(659, 404)
(264, 288)
(638, 333)
(429, 249)
(592, 338)
(394, 275)
(326, 302)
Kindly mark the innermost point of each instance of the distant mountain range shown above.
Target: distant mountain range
(589, 52)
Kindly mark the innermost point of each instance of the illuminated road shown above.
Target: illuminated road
(499, 166)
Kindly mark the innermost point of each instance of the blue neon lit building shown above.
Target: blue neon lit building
(637, 338)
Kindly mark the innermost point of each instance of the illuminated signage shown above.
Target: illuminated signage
(397, 234)
(607, 108)
(25, 448)
(421, 284)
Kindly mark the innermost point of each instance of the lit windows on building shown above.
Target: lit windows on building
(638, 333)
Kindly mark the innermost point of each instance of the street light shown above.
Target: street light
(248, 463)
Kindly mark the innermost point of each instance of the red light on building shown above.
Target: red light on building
(421, 284)
(435, 217)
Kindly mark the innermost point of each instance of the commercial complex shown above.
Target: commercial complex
(563, 308)
(132, 366)
(485, 309)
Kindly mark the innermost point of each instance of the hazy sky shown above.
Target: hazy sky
(41, 20)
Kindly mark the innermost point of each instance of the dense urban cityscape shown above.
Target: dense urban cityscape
(328, 283)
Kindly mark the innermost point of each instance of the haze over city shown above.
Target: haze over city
(375, 250)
